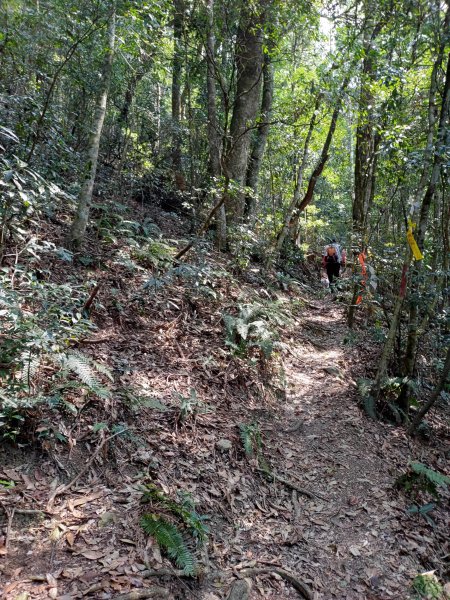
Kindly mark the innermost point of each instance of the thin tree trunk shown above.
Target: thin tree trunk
(307, 198)
(366, 146)
(214, 136)
(40, 122)
(437, 392)
(80, 222)
(177, 69)
(412, 343)
(298, 179)
(262, 132)
(390, 340)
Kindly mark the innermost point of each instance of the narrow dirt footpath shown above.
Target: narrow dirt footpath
(347, 541)
(330, 515)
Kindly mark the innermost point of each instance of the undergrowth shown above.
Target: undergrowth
(175, 519)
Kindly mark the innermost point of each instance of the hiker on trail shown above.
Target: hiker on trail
(333, 257)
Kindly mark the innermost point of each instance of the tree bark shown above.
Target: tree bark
(293, 208)
(249, 63)
(214, 135)
(437, 392)
(177, 69)
(80, 222)
(262, 132)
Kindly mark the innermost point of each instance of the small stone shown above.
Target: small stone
(108, 518)
(224, 445)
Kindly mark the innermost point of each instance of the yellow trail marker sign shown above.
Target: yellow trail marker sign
(412, 242)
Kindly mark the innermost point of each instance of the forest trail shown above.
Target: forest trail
(345, 540)
(346, 537)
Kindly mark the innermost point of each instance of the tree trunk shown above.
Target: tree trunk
(390, 340)
(80, 222)
(413, 329)
(262, 133)
(298, 179)
(437, 392)
(249, 63)
(214, 136)
(177, 68)
(307, 198)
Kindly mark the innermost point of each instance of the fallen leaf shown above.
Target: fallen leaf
(86, 499)
(91, 555)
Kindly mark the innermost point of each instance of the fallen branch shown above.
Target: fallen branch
(288, 484)
(161, 573)
(301, 587)
(153, 592)
(62, 489)
(99, 341)
(90, 300)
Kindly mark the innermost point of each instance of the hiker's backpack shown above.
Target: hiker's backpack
(331, 255)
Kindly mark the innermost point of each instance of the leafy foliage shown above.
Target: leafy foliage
(167, 534)
(251, 328)
(154, 253)
(39, 326)
(170, 539)
(422, 478)
(427, 586)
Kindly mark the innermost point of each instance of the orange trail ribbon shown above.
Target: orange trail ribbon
(361, 259)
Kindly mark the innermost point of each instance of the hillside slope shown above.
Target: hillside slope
(232, 413)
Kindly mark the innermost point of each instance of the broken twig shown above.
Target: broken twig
(62, 489)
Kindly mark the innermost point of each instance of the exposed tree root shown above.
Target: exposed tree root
(301, 587)
(153, 592)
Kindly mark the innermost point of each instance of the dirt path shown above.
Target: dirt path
(349, 538)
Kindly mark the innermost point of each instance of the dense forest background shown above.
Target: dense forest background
(164, 155)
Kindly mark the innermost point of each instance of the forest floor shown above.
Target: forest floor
(329, 514)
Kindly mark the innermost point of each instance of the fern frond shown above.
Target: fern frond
(103, 370)
(31, 364)
(430, 474)
(185, 510)
(170, 539)
(81, 366)
(246, 434)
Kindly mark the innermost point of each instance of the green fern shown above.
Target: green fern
(185, 510)
(170, 539)
(31, 363)
(433, 476)
(80, 365)
(246, 433)
(252, 442)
